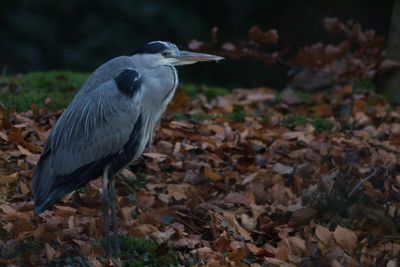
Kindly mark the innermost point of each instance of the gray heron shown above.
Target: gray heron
(108, 125)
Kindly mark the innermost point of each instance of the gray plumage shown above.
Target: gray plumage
(98, 123)
(109, 122)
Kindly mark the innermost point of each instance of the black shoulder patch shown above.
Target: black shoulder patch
(128, 82)
(153, 47)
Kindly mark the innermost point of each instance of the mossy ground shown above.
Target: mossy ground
(138, 252)
(199, 117)
(52, 90)
(211, 92)
(319, 123)
(135, 252)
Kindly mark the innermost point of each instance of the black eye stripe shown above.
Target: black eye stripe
(154, 48)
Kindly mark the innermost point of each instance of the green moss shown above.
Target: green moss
(211, 92)
(82, 190)
(138, 252)
(72, 262)
(214, 92)
(61, 80)
(189, 89)
(202, 117)
(362, 86)
(250, 258)
(135, 252)
(21, 91)
(294, 120)
(278, 99)
(36, 87)
(238, 114)
(179, 116)
(72, 258)
(264, 119)
(319, 123)
(303, 95)
(194, 117)
(138, 183)
(29, 246)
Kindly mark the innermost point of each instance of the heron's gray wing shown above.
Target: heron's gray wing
(93, 126)
(105, 72)
(96, 125)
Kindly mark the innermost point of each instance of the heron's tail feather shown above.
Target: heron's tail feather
(41, 180)
(65, 184)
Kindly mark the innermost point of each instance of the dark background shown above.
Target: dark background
(81, 35)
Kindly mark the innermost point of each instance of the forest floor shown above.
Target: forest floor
(250, 177)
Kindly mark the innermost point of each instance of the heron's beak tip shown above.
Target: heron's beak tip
(219, 59)
(198, 57)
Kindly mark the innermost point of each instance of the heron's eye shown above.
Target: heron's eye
(166, 53)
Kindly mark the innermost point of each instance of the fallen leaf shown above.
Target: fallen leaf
(269, 37)
(50, 252)
(3, 136)
(345, 238)
(210, 174)
(157, 156)
(248, 222)
(24, 188)
(249, 178)
(236, 255)
(7, 209)
(297, 245)
(64, 211)
(33, 159)
(324, 110)
(84, 246)
(23, 150)
(283, 169)
(8, 179)
(324, 235)
(238, 198)
(254, 249)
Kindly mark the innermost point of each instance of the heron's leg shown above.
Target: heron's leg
(105, 201)
(114, 204)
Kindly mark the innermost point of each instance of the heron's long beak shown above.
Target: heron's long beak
(186, 57)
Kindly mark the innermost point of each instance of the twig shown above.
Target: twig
(361, 182)
(355, 188)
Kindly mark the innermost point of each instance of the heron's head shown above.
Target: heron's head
(160, 53)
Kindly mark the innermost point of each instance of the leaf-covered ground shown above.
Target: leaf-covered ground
(252, 178)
